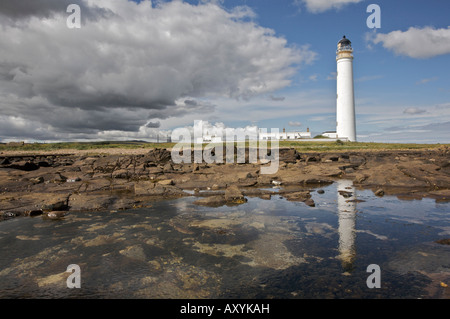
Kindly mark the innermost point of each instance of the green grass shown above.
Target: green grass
(319, 146)
(354, 146)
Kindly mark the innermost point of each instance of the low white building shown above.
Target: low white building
(330, 134)
(284, 135)
(210, 139)
(247, 134)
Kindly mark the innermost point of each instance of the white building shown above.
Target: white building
(330, 134)
(210, 139)
(263, 135)
(345, 99)
(243, 135)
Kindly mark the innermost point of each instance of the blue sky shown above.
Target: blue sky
(398, 97)
(135, 69)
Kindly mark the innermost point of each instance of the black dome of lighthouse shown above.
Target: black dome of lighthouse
(344, 41)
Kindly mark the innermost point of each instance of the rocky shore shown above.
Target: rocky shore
(54, 184)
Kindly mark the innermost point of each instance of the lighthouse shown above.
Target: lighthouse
(345, 98)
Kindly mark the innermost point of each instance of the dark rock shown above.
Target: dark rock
(44, 164)
(288, 155)
(24, 166)
(320, 191)
(5, 161)
(345, 194)
(57, 206)
(157, 155)
(445, 241)
(311, 159)
(379, 192)
(310, 202)
(34, 213)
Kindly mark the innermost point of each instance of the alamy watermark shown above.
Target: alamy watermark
(374, 280)
(74, 20)
(74, 280)
(374, 20)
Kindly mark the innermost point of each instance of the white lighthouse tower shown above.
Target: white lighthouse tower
(345, 99)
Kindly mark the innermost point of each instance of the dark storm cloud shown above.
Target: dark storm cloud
(131, 66)
(153, 125)
(19, 9)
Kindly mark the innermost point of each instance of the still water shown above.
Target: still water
(261, 249)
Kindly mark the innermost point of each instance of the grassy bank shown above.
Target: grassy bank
(355, 146)
(302, 146)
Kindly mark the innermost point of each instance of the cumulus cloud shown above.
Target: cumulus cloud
(414, 111)
(133, 64)
(418, 43)
(426, 80)
(276, 98)
(318, 6)
(294, 123)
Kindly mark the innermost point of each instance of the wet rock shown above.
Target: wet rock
(302, 196)
(379, 192)
(37, 180)
(155, 189)
(55, 215)
(445, 241)
(234, 195)
(345, 194)
(247, 182)
(310, 202)
(320, 191)
(211, 201)
(134, 252)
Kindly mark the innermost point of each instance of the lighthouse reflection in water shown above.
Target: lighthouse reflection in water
(346, 200)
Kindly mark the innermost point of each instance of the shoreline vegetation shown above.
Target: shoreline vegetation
(304, 146)
(55, 179)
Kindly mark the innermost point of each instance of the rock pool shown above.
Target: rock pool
(261, 249)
